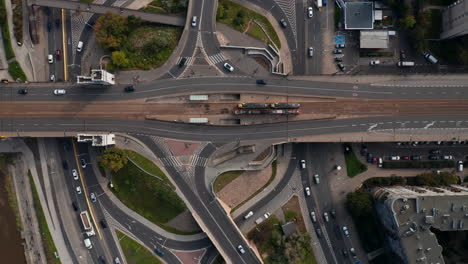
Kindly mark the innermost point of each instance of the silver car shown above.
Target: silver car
(311, 51)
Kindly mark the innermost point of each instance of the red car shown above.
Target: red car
(58, 54)
(374, 160)
(406, 158)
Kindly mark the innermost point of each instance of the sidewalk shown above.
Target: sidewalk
(134, 145)
(17, 145)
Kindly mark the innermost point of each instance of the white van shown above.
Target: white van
(248, 215)
(79, 48)
(88, 244)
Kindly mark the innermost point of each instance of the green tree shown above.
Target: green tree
(113, 159)
(359, 203)
(111, 31)
(3, 14)
(221, 13)
(120, 60)
(407, 22)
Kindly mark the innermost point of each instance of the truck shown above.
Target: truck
(262, 218)
(318, 3)
(87, 243)
(88, 226)
(405, 64)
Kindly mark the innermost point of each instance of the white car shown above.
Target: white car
(303, 164)
(52, 78)
(83, 163)
(228, 67)
(75, 174)
(448, 157)
(374, 62)
(307, 191)
(60, 91)
(313, 217)
(93, 197)
(194, 21)
(248, 215)
(78, 189)
(240, 249)
(395, 158)
(325, 216)
(50, 58)
(310, 12)
(345, 231)
(311, 51)
(316, 179)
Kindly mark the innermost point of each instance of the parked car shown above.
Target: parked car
(406, 158)
(228, 67)
(311, 51)
(341, 66)
(340, 46)
(333, 213)
(374, 160)
(415, 157)
(75, 174)
(83, 163)
(337, 51)
(344, 251)
(52, 78)
(194, 21)
(395, 158)
(78, 189)
(50, 58)
(316, 179)
(307, 191)
(369, 157)
(319, 232)
(447, 157)
(283, 23)
(248, 215)
(380, 163)
(374, 62)
(402, 55)
(460, 166)
(338, 59)
(353, 252)
(345, 231)
(75, 206)
(433, 157)
(313, 217)
(325, 216)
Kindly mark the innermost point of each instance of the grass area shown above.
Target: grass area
(146, 164)
(47, 240)
(86, 1)
(147, 196)
(9, 52)
(134, 252)
(273, 175)
(257, 32)
(10, 188)
(353, 165)
(153, 9)
(435, 28)
(18, 19)
(167, 6)
(275, 248)
(337, 17)
(224, 179)
(238, 17)
(16, 72)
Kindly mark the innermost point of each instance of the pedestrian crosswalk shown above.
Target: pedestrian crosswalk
(188, 62)
(216, 58)
(198, 161)
(170, 161)
(289, 9)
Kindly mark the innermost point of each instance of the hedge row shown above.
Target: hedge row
(417, 164)
(424, 179)
(14, 68)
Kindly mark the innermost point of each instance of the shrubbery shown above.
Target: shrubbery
(419, 164)
(424, 179)
(16, 71)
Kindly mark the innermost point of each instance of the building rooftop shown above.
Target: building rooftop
(374, 39)
(416, 209)
(359, 15)
(289, 228)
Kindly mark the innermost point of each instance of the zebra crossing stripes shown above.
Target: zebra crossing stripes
(170, 161)
(187, 63)
(217, 58)
(198, 161)
(162, 144)
(289, 9)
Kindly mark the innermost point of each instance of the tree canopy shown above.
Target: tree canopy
(113, 159)
(111, 30)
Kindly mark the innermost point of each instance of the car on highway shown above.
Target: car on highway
(394, 158)
(319, 232)
(311, 51)
(433, 157)
(303, 164)
(283, 23)
(353, 252)
(313, 217)
(228, 67)
(59, 91)
(240, 249)
(194, 21)
(58, 54)
(337, 51)
(316, 179)
(339, 46)
(159, 252)
(78, 189)
(83, 163)
(92, 196)
(374, 62)
(345, 231)
(307, 191)
(261, 82)
(248, 215)
(325, 216)
(310, 12)
(50, 58)
(75, 174)
(341, 66)
(23, 91)
(129, 89)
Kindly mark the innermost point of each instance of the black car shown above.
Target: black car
(434, 157)
(129, 89)
(333, 213)
(341, 66)
(65, 165)
(319, 232)
(75, 206)
(369, 157)
(103, 223)
(262, 82)
(23, 91)
(102, 260)
(182, 62)
(338, 59)
(415, 157)
(49, 26)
